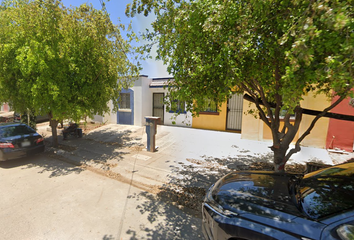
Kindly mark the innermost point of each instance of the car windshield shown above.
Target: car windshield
(327, 192)
(10, 131)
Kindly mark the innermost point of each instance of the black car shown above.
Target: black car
(270, 205)
(19, 140)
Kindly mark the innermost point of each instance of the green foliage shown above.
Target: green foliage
(274, 50)
(32, 119)
(281, 49)
(68, 62)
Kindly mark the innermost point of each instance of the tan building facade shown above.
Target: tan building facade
(255, 129)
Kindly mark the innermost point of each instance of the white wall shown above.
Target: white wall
(141, 86)
(143, 106)
(142, 100)
(110, 117)
(137, 89)
(146, 99)
(98, 118)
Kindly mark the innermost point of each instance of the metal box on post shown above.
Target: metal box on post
(151, 130)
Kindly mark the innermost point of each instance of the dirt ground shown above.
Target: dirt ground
(45, 130)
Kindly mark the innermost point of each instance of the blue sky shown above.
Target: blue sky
(116, 9)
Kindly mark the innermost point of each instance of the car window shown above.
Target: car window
(10, 131)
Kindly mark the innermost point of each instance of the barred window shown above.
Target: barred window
(124, 101)
(178, 106)
(209, 106)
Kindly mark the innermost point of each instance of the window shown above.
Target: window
(178, 106)
(10, 131)
(210, 106)
(124, 101)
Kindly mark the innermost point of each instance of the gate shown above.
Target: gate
(234, 112)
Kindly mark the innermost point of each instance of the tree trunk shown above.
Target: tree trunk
(54, 123)
(280, 159)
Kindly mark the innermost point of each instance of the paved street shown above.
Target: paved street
(44, 198)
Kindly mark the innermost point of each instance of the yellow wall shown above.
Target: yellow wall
(212, 122)
(256, 129)
(318, 135)
(252, 128)
(267, 134)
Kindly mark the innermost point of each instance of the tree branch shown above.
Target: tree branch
(257, 102)
(314, 112)
(297, 147)
(321, 114)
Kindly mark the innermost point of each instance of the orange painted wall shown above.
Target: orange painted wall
(340, 132)
(212, 122)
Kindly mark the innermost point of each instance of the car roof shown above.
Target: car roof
(347, 168)
(11, 124)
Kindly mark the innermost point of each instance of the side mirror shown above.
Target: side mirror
(346, 231)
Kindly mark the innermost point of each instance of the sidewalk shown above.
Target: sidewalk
(182, 143)
(122, 150)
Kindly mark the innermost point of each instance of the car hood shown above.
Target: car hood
(257, 192)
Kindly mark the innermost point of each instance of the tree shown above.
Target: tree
(275, 51)
(65, 62)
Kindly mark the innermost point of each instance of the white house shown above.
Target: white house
(146, 98)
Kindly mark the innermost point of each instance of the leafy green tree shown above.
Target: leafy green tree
(29, 118)
(275, 51)
(65, 62)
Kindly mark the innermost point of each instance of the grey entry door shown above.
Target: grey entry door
(234, 112)
(158, 106)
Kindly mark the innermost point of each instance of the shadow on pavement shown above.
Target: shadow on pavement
(108, 237)
(91, 150)
(189, 182)
(17, 162)
(88, 150)
(56, 168)
(101, 149)
(175, 211)
(44, 164)
(123, 138)
(168, 220)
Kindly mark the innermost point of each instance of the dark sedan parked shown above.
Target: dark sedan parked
(269, 205)
(19, 140)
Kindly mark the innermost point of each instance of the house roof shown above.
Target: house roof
(159, 82)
